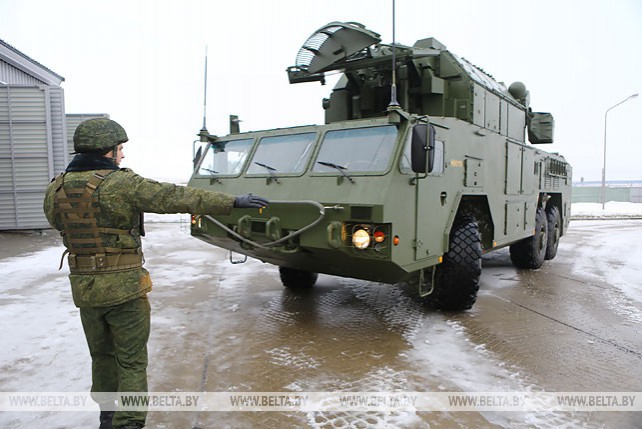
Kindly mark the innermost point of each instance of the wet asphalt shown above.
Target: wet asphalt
(223, 327)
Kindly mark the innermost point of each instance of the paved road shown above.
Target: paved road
(573, 325)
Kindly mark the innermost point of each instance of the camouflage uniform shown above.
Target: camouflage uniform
(113, 306)
(108, 281)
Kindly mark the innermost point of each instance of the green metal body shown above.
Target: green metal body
(483, 165)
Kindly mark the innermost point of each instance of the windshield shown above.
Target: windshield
(282, 154)
(225, 158)
(357, 150)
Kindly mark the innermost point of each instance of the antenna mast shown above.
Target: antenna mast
(205, 92)
(394, 104)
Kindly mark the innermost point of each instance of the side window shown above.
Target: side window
(438, 167)
(225, 158)
(404, 163)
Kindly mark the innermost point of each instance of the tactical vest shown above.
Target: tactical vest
(86, 248)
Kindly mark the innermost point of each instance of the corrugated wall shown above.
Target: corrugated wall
(58, 129)
(33, 148)
(12, 75)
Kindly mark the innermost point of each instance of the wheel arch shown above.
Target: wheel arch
(555, 200)
(478, 207)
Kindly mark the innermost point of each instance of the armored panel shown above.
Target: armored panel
(478, 105)
(528, 172)
(491, 112)
(513, 168)
(516, 123)
(448, 67)
(474, 172)
(514, 218)
(529, 215)
(503, 117)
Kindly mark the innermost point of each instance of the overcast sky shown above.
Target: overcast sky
(142, 63)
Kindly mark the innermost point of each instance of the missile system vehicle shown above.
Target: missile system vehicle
(420, 168)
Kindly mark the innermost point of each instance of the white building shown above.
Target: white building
(33, 137)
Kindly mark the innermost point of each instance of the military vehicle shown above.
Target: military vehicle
(420, 168)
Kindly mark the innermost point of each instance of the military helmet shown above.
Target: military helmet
(98, 134)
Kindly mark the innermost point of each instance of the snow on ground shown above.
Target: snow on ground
(617, 263)
(622, 269)
(42, 337)
(611, 209)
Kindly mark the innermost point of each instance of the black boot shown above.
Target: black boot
(105, 419)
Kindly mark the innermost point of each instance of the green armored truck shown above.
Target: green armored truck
(421, 167)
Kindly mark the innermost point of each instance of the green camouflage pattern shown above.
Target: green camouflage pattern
(123, 196)
(98, 134)
(114, 309)
(121, 331)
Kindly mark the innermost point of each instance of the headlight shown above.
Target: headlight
(361, 239)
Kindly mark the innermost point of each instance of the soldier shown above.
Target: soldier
(98, 208)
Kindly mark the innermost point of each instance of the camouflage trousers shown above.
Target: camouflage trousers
(117, 339)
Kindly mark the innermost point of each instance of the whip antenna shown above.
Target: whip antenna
(205, 93)
(394, 104)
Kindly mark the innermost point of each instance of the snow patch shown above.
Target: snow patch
(611, 209)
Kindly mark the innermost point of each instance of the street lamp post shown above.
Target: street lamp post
(604, 165)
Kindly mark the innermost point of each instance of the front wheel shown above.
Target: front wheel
(554, 231)
(457, 277)
(531, 251)
(297, 279)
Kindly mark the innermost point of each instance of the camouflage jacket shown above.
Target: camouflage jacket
(122, 197)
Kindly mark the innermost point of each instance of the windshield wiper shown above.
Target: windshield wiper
(339, 168)
(270, 170)
(212, 178)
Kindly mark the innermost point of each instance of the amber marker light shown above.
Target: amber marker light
(395, 240)
(379, 236)
(193, 219)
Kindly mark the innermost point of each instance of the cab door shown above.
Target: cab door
(431, 201)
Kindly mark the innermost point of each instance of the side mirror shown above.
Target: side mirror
(422, 153)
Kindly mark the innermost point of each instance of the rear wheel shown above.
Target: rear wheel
(297, 279)
(531, 251)
(554, 231)
(457, 277)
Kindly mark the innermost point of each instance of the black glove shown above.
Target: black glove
(250, 201)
